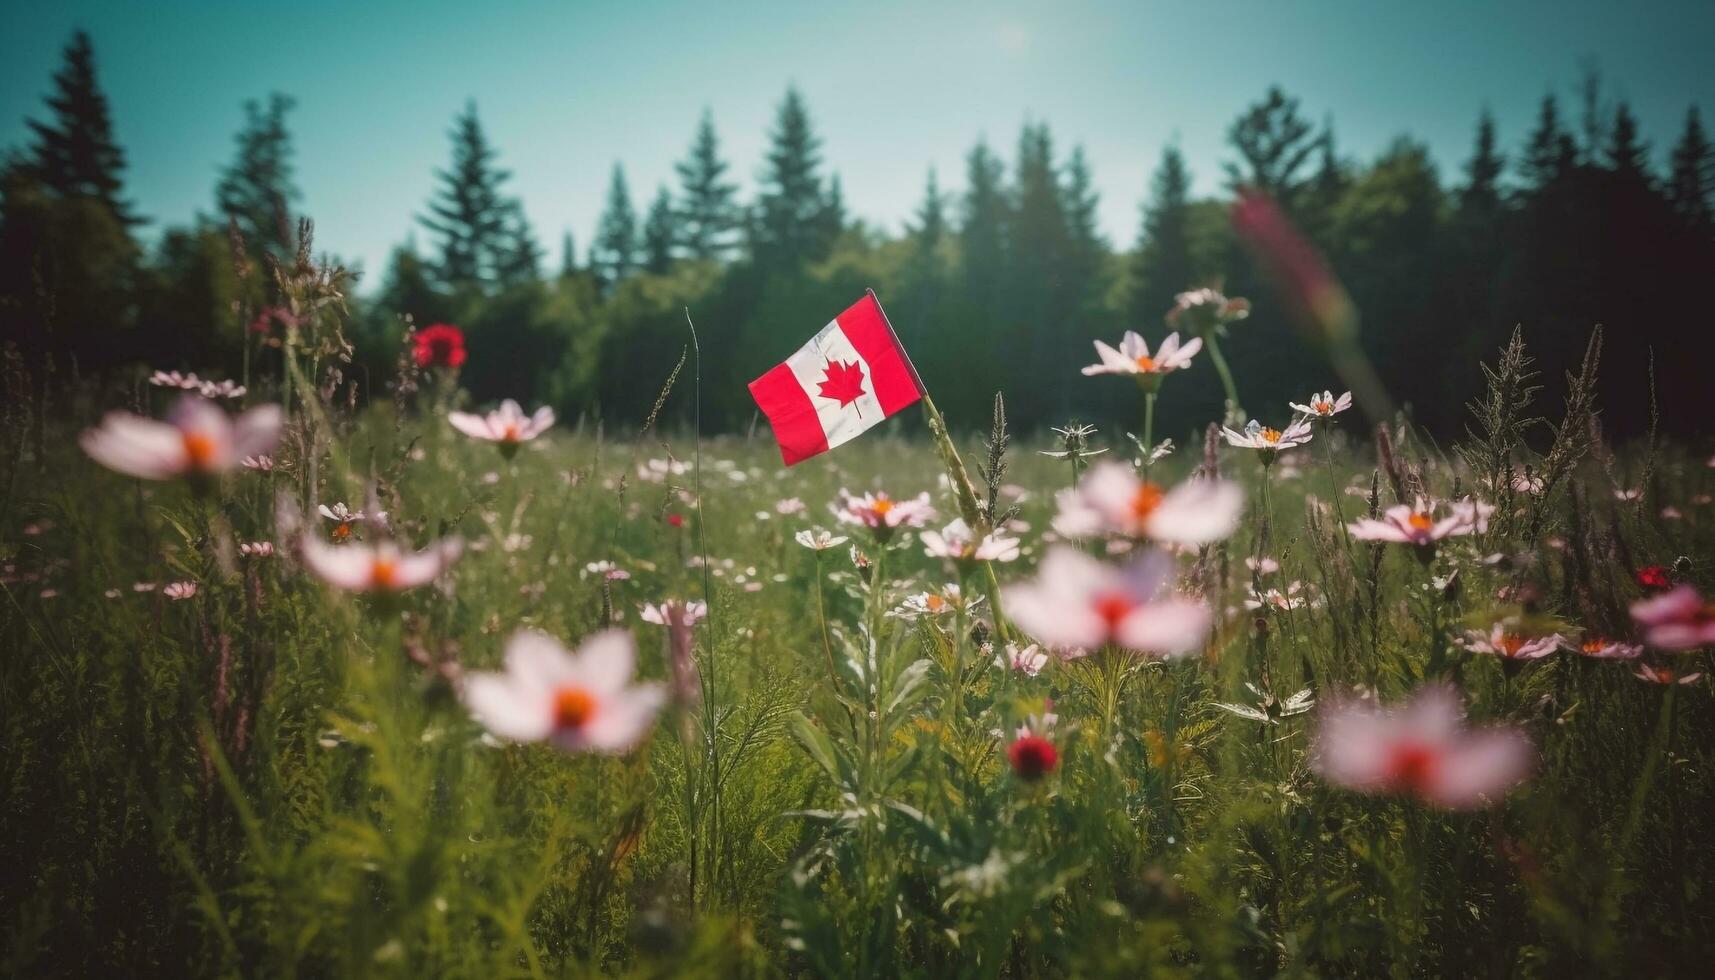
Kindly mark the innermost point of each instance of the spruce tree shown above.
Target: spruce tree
(931, 227)
(518, 258)
(1162, 265)
(256, 189)
(614, 254)
(660, 231)
(568, 256)
(708, 214)
(75, 154)
(1627, 155)
(791, 224)
(1483, 171)
(469, 213)
(1550, 152)
(1274, 144)
(983, 230)
(1691, 185)
(831, 223)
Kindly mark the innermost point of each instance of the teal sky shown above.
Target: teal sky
(566, 89)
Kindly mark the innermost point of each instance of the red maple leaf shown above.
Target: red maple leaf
(842, 381)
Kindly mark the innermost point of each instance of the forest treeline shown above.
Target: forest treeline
(1000, 286)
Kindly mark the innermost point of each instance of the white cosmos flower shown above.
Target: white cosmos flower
(949, 599)
(688, 613)
(1324, 405)
(1030, 660)
(582, 701)
(197, 439)
(881, 513)
(1111, 498)
(1417, 524)
(1133, 356)
(817, 539)
(1266, 440)
(507, 425)
(955, 541)
(379, 568)
(1078, 602)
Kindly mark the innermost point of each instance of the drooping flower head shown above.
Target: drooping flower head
(506, 426)
(1503, 641)
(1201, 311)
(1420, 749)
(582, 701)
(1324, 405)
(380, 568)
(1657, 674)
(1417, 523)
(1077, 602)
(957, 543)
(197, 440)
(1112, 498)
(1133, 357)
(439, 345)
(1679, 619)
(881, 513)
(1266, 441)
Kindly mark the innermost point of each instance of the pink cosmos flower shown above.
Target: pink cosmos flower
(1202, 310)
(607, 570)
(1111, 497)
(1030, 660)
(1133, 356)
(1417, 525)
(1268, 441)
(1666, 675)
(1324, 405)
(381, 568)
(949, 599)
(173, 379)
(1263, 566)
(881, 513)
(257, 549)
(1079, 602)
(1292, 597)
(674, 611)
(198, 439)
(507, 425)
(1502, 642)
(261, 463)
(1602, 648)
(1679, 619)
(789, 506)
(956, 542)
(179, 590)
(583, 701)
(1420, 749)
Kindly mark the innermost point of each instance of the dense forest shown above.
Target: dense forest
(1001, 286)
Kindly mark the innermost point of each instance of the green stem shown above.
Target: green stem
(1226, 374)
(1148, 428)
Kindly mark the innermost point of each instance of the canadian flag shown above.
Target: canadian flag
(850, 376)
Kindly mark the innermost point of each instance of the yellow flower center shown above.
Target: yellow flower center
(573, 707)
(1270, 436)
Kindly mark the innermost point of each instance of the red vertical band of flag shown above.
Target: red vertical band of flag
(851, 375)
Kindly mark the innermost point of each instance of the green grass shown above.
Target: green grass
(274, 779)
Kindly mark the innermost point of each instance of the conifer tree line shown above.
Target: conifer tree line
(1000, 284)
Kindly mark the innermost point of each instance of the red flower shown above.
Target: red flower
(1032, 757)
(439, 345)
(676, 520)
(1654, 578)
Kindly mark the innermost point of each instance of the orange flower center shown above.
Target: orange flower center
(933, 602)
(199, 449)
(1419, 521)
(881, 506)
(1323, 408)
(1412, 767)
(1270, 435)
(342, 532)
(1146, 364)
(384, 573)
(1511, 643)
(1595, 644)
(1144, 502)
(1113, 607)
(511, 433)
(573, 707)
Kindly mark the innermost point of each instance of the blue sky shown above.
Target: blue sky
(567, 89)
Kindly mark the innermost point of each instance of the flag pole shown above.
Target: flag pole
(976, 517)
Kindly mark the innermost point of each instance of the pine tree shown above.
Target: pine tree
(1483, 171)
(660, 231)
(1082, 270)
(256, 189)
(931, 227)
(1691, 186)
(1550, 152)
(983, 231)
(75, 154)
(1627, 155)
(791, 222)
(831, 223)
(518, 258)
(568, 256)
(1274, 143)
(708, 214)
(469, 213)
(614, 254)
(1162, 266)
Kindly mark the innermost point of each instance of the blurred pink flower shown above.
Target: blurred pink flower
(583, 701)
(1077, 601)
(1416, 524)
(1602, 648)
(1029, 660)
(1502, 642)
(1421, 749)
(197, 439)
(1679, 619)
(256, 549)
(180, 590)
(674, 610)
(1666, 675)
(881, 513)
(955, 541)
(379, 568)
(1112, 498)
(1206, 309)
(507, 425)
